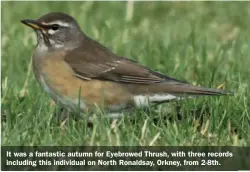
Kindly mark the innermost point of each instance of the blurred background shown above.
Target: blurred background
(204, 43)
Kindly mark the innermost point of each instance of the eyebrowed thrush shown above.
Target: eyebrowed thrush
(77, 71)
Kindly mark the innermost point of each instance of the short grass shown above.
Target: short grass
(204, 43)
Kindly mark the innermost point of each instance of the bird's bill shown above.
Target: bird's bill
(33, 24)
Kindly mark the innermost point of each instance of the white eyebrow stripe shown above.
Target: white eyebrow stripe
(60, 23)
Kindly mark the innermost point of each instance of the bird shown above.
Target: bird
(82, 75)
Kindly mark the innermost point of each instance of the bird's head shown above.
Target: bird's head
(56, 30)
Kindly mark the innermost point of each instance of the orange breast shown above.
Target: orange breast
(60, 78)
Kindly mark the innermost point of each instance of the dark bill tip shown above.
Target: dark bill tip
(31, 23)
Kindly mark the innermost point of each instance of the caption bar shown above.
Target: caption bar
(125, 158)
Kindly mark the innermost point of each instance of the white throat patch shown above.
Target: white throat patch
(41, 47)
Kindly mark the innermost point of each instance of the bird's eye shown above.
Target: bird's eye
(55, 27)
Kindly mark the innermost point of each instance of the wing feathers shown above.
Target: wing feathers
(99, 63)
(93, 61)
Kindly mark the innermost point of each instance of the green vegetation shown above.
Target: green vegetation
(204, 43)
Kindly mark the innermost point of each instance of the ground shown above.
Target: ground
(204, 43)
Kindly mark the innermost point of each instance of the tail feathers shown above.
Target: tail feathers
(196, 90)
(173, 91)
(185, 90)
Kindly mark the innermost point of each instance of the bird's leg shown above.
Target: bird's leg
(60, 115)
(64, 115)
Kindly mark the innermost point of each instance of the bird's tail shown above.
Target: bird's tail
(174, 91)
(196, 90)
(180, 91)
